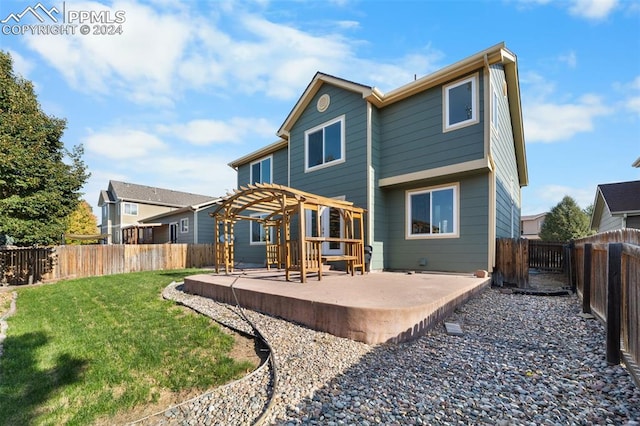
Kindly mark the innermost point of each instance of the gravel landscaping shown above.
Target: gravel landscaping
(522, 359)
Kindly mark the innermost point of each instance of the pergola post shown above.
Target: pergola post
(303, 241)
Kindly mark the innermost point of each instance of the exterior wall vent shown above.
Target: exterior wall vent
(323, 103)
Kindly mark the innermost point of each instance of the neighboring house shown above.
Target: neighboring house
(617, 206)
(438, 164)
(124, 206)
(186, 225)
(530, 226)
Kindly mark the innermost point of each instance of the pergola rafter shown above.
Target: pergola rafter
(278, 204)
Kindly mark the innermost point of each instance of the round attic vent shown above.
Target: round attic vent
(323, 103)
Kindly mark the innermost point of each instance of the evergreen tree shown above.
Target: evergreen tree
(82, 222)
(40, 180)
(565, 222)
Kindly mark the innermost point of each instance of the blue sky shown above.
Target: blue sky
(188, 87)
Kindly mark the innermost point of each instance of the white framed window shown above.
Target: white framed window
(262, 170)
(257, 234)
(433, 212)
(184, 225)
(131, 209)
(324, 144)
(460, 104)
(105, 212)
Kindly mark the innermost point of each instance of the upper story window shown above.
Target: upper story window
(461, 103)
(105, 211)
(261, 170)
(131, 209)
(432, 212)
(184, 225)
(324, 144)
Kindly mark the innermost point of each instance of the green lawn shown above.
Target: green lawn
(84, 349)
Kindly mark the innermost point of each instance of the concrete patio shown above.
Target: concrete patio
(373, 308)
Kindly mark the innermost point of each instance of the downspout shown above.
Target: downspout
(195, 226)
(491, 232)
(370, 184)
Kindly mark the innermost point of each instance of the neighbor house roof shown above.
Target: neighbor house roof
(125, 191)
(533, 216)
(191, 208)
(621, 197)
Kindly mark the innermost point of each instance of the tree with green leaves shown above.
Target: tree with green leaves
(40, 179)
(82, 222)
(565, 222)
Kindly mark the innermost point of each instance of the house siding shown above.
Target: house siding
(466, 253)
(349, 178)
(378, 214)
(508, 199)
(245, 252)
(608, 222)
(205, 226)
(413, 136)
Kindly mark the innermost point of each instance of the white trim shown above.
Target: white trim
(342, 158)
(184, 225)
(475, 103)
(251, 222)
(370, 177)
(479, 164)
(268, 157)
(455, 186)
(195, 227)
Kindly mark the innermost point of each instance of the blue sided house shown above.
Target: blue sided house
(437, 164)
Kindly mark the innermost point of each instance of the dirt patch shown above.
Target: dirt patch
(5, 302)
(547, 280)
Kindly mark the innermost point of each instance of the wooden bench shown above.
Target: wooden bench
(342, 257)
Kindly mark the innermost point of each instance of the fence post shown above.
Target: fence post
(614, 286)
(586, 285)
(570, 253)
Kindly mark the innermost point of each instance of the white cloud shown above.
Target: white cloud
(21, 65)
(559, 119)
(206, 132)
(570, 59)
(632, 91)
(550, 195)
(138, 64)
(593, 9)
(553, 122)
(123, 144)
(164, 52)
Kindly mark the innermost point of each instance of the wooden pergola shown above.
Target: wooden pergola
(279, 208)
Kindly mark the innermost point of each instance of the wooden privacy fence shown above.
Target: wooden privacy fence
(95, 260)
(25, 265)
(512, 262)
(608, 280)
(547, 256)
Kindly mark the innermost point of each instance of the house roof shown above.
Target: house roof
(191, 208)
(125, 191)
(495, 54)
(621, 197)
(636, 163)
(533, 216)
(262, 152)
